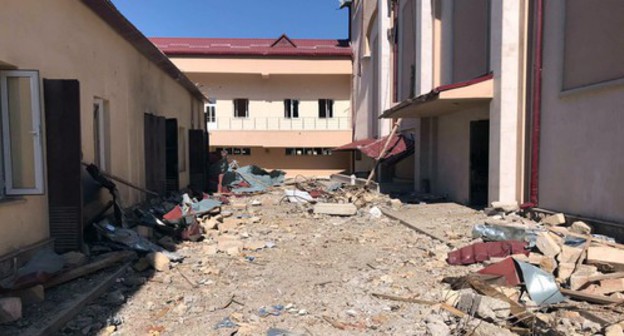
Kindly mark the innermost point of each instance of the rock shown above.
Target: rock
(569, 254)
(614, 330)
(617, 296)
(609, 286)
(548, 264)
(254, 220)
(256, 202)
(351, 312)
(210, 250)
(590, 326)
(556, 219)
(506, 206)
(10, 309)
(74, 259)
(579, 278)
(133, 281)
(488, 308)
(564, 271)
(548, 244)
(158, 261)
(141, 265)
(535, 258)
(580, 227)
(30, 295)
(108, 331)
(209, 223)
(115, 298)
(436, 326)
(229, 225)
(396, 203)
(229, 244)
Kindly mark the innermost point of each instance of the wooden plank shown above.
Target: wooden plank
(593, 298)
(338, 209)
(615, 275)
(412, 225)
(110, 260)
(58, 320)
(444, 306)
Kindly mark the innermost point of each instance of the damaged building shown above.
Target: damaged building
(80, 84)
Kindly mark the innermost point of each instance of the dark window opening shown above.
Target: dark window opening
(241, 108)
(326, 108)
(291, 108)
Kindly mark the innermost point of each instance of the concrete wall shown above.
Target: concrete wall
(451, 173)
(306, 165)
(470, 39)
(581, 158)
(64, 39)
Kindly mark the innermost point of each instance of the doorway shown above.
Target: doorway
(479, 162)
(172, 170)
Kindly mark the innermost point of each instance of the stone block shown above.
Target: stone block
(569, 254)
(158, 261)
(564, 271)
(10, 309)
(548, 243)
(556, 219)
(609, 286)
(580, 227)
(548, 264)
(337, 209)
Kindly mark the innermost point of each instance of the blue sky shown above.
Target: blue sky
(237, 18)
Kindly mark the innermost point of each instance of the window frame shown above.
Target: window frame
(6, 173)
(237, 100)
(291, 108)
(325, 106)
(211, 113)
(99, 136)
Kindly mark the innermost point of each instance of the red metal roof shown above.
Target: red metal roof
(372, 148)
(282, 46)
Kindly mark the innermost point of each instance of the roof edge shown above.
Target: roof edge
(113, 17)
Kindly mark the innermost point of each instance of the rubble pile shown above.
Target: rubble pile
(545, 276)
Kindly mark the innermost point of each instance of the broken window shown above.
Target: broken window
(308, 151)
(22, 155)
(291, 108)
(241, 108)
(326, 108)
(100, 134)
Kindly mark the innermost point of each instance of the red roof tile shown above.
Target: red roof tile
(282, 46)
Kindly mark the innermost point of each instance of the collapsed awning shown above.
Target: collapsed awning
(399, 147)
(445, 99)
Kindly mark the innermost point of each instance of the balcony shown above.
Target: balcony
(280, 124)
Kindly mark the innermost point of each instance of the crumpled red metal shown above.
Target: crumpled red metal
(480, 252)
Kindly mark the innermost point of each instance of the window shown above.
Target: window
(243, 151)
(22, 155)
(326, 108)
(100, 134)
(211, 115)
(241, 108)
(308, 151)
(291, 108)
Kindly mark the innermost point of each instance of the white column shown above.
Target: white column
(505, 108)
(384, 21)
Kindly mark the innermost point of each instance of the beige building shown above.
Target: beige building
(78, 83)
(278, 103)
(514, 101)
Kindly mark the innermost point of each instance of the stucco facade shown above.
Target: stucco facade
(66, 40)
(264, 75)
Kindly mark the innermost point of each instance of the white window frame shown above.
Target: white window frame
(6, 176)
(100, 146)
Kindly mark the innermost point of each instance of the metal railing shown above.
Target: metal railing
(281, 124)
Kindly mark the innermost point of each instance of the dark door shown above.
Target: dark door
(172, 171)
(63, 149)
(479, 162)
(155, 153)
(198, 156)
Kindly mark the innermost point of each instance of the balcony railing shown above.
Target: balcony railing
(280, 124)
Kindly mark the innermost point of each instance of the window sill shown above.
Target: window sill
(12, 200)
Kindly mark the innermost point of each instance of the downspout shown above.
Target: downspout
(537, 104)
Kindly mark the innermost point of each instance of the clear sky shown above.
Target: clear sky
(237, 18)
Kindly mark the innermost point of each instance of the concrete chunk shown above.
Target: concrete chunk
(569, 254)
(606, 255)
(337, 209)
(579, 278)
(580, 227)
(548, 264)
(10, 309)
(506, 206)
(548, 244)
(30, 295)
(609, 286)
(565, 270)
(556, 219)
(158, 261)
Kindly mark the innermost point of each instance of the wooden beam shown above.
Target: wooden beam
(412, 225)
(593, 298)
(108, 261)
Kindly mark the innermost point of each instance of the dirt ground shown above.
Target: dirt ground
(317, 279)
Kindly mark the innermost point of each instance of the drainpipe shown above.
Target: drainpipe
(537, 104)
